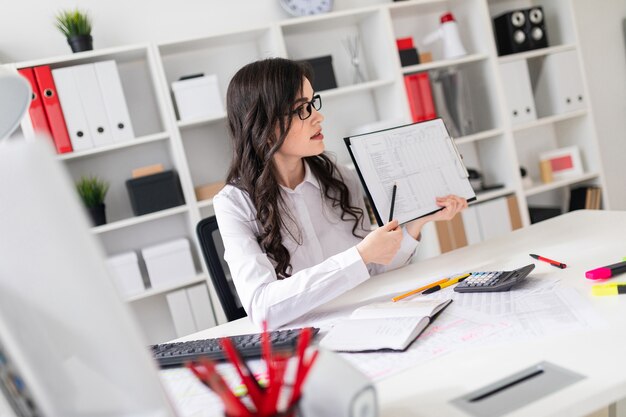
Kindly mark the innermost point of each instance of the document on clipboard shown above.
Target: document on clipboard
(420, 158)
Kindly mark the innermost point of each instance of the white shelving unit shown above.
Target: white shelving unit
(199, 150)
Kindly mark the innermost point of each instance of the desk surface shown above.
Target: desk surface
(581, 239)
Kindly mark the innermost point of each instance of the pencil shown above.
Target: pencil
(393, 200)
(420, 289)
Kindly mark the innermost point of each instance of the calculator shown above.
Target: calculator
(493, 281)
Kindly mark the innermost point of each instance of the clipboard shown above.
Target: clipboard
(421, 158)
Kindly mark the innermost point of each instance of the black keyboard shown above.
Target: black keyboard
(248, 345)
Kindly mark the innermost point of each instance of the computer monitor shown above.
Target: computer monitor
(69, 346)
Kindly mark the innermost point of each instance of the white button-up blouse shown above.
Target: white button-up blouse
(323, 251)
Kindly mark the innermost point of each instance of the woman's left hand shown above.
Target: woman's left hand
(452, 205)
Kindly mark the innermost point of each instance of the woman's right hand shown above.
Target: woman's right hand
(381, 245)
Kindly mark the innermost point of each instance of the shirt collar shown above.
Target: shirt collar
(308, 177)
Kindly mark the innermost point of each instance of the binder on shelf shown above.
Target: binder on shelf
(420, 96)
(554, 93)
(518, 91)
(181, 312)
(38, 120)
(201, 306)
(93, 105)
(53, 108)
(585, 197)
(72, 109)
(114, 100)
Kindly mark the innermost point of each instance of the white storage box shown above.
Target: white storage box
(198, 97)
(168, 263)
(124, 269)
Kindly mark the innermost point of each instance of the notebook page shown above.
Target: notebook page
(420, 158)
(357, 335)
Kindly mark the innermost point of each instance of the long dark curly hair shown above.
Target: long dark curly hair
(259, 98)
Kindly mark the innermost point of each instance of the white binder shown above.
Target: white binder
(93, 106)
(181, 312)
(73, 113)
(201, 306)
(555, 92)
(518, 91)
(114, 100)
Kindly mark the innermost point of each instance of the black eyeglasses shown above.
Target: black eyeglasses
(306, 109)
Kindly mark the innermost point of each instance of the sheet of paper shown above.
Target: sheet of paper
(420, 158)
(446, 334)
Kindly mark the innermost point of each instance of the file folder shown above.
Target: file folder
(93, 105)
(181, 312)
(73, 109)
(114, 100)
(201, 306)
(38, 120)
(53, 108)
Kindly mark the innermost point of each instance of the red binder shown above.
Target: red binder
(415, 102)
(54, 113)
(427, 96)
(420, 97)
(36, 111)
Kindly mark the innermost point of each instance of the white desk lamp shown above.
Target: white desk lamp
(15, 96)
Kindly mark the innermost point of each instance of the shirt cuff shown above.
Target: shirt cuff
(354, 265)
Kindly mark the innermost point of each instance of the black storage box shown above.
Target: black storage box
(409, 57)
(538, 214)
(323, 73)
(154, 192)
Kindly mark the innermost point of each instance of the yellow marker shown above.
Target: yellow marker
(609, 289)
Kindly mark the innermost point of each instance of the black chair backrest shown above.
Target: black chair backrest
(212, 251)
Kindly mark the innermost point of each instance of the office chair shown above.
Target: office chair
(212, 251)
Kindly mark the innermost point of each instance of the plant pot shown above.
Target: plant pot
(80, 43)
(97, 214)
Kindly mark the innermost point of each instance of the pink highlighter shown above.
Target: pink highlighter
(607, 271)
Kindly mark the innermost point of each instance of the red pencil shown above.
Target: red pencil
(211, 378)
(248, 379)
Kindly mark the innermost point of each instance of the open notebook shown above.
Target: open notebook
(383, 326)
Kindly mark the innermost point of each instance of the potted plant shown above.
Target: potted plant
(76, 26)
(92, 191)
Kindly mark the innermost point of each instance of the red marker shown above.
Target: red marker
(550, 261)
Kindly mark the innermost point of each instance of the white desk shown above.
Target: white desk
(585, 240)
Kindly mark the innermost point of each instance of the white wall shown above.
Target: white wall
(604, 55)
(27, 32)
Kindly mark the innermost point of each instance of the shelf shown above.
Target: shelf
(486, 134)
(120, 145)
(490, 195)
(444, 63)
(201, 121)
(558, 184)
(119, 54)
(205, 203)
(536, 53)
(138, 220)
(156, 291)
(370, 85)
(549, 119)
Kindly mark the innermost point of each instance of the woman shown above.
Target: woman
(293, 224)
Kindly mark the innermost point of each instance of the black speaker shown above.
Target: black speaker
(520, 30)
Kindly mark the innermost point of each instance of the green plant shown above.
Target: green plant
(92, 190)
(73, 23)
